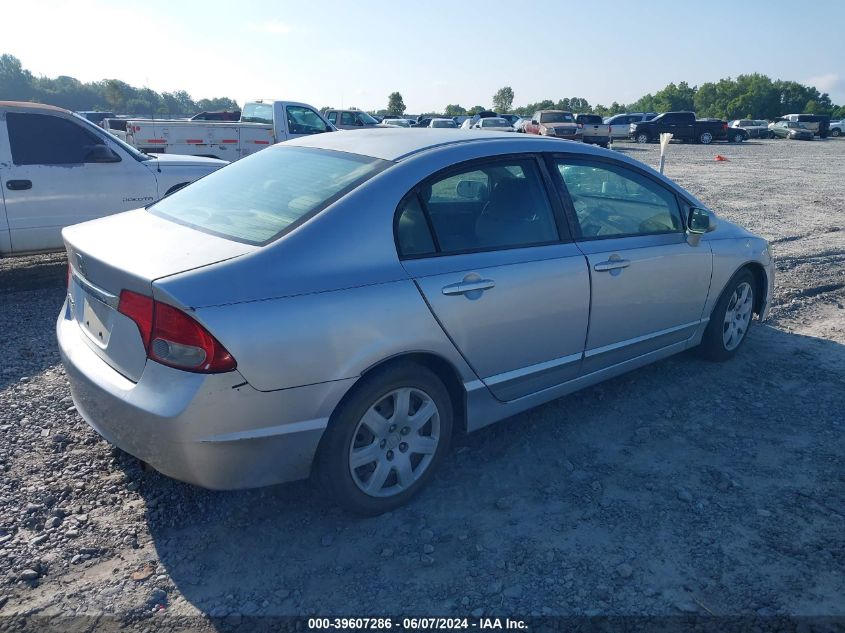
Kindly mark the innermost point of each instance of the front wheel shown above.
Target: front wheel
(731, 318)
(705, 138)
(385, 441)
(835, 132)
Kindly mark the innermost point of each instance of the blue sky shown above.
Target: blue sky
(333, 53)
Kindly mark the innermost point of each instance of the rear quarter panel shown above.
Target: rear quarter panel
(328, 336)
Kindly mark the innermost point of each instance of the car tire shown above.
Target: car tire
(705, 138)
(731, 318)
(836, 132)
(643, 138)
(738, 138)
(334, 469)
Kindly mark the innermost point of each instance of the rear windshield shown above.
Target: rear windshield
(556, 117)
(589, 118)
(257, 113)
(258, 198)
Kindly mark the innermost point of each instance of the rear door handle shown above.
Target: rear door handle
(612, 264)
(18, 185)
(464, 287)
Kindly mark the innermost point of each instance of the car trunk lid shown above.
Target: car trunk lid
(129, 251)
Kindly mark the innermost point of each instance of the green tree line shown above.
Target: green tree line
(19, 84)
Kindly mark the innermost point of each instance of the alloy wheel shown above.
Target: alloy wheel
(738, 316)
(394, 442)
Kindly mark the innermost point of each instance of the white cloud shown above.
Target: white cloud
(271, 26)
(829, 82)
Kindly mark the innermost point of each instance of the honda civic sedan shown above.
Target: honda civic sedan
(341, 305)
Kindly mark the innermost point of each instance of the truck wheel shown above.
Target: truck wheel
(642, 137)
(705, 138)
(738, 138)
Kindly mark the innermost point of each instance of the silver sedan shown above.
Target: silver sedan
(341, 305)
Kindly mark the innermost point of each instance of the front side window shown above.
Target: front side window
(302, 120)
(502, 204)
(613, 201)
(43, 139)
(257, 198)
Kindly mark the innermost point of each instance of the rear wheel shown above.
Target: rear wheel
(731, 318)
(705, 138)
(738, 138)
(386, 440)
(642, 137)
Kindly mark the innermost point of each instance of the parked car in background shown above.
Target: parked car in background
(116, 127)
(493, 124)
(221, 115)
(837, 128)
(620, 124)
(818, 124)
(443, 123)
(57, 168)
(276, 346)
(519, 126)
(593, 129)
(683, 126)
(755, 128)
(350, 119)
(396, 123)
(422, 121)
(791, 130)
(95, 116)
(557, 123)
(263, 123)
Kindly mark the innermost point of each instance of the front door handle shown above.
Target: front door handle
(463, 287)
(18, 185)
(612, 264)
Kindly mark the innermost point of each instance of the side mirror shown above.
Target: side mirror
(699, 222)
(101, 154)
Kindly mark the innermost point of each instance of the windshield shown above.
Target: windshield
(445, 123)
(367, 119)
(257, 113)
(257, 198)
(494, 123)
(556, 117)
(135, 153)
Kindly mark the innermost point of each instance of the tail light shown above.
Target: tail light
(724, 126)
(173, 338)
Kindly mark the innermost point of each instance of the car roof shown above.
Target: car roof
(395, 144)
(27, 105)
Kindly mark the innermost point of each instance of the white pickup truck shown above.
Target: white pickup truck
(262, 124)
(58, 169)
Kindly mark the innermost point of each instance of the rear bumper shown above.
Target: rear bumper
(597, 140)
(213, 431)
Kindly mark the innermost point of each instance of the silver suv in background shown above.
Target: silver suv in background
(350, 119)
(620, 123)
(756, 128)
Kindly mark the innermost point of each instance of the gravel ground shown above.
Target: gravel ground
(682, 488)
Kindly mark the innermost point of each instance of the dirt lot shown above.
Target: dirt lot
(684, 487)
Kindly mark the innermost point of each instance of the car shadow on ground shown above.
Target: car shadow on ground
(683, 485)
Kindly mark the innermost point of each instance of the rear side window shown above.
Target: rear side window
(42, 139)
(487, 207)
(259, 197)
